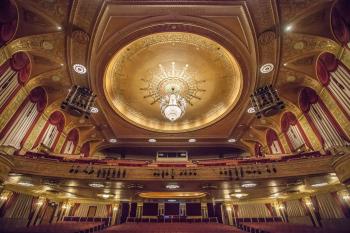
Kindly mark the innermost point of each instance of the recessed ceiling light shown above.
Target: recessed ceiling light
(171, 200)
(93, 110)
(25, 183)
(251, 110)
(248, 185)
(239, 195)
(266, 68)
(288, 28)
(96, 185)
(319, 184)
(231, 140)
(192, 140)
(59, 27)
(152, 140)
(112, 140)
(80, 69)
(172, 186)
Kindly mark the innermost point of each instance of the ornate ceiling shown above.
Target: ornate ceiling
(197, 68)
(97, 34)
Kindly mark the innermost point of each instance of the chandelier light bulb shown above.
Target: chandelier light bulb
(173, 106)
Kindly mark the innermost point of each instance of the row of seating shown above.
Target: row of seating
(61, 227)
(285, 228)
(267, 219)
(172, 228)
(106, 221)
(172, 219)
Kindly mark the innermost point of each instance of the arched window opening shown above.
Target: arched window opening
(273, 142)
(85, 149)
(71, 142)
(52, 130)
(14, 73)
(335, 76)
(8, 21)
(258, 150)
(321, 120)
(293, 131)
(340, 22)
(22, 122)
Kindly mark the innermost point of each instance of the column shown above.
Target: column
(341, 164)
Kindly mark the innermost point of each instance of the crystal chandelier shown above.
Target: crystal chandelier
(173, 106)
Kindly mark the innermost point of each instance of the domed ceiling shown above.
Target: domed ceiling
(195, 68)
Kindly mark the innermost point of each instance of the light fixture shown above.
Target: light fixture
(172, 186)
(152, 140)
(96, 185)
(112, 140)
(248, 185)
(319, 184)
(80, 69)
(25, 183)
(172, 200)
(93, 110)
(173, 106)
(231, 140)
(251, 110)
(288, 28)
(266, 68)
(105, 195)
(59, 27)
(192, 140)
(239, 195)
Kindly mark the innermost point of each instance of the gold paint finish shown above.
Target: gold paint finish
(165, 195)
(135, 72)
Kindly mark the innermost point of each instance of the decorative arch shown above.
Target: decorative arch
(294, 133)
(85, 149)
(21, 124)
(273, 142)
(340, 22)
(321, 120)
(335, 77)
(8, 21)
(52, 130)
(258, 150)
(71, 142)
(14, 74)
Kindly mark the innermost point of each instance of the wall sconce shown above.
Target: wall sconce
(66, 206)
(115, 208)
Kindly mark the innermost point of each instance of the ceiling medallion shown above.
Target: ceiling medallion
(266, 68)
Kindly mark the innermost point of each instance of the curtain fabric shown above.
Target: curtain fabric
(11, 200)
(85, 149)
(273, 142)
(8, 21)
(339, 27)
(328, 207)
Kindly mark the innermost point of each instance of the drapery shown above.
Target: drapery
(49, 135)
(253, 211)
(8, 21)
(335, 76)
(21, 123)
(273, 142)
(293, 131)
(321, 120)
(71, 142)
(14, 73)
(339, 27)
(85, 149)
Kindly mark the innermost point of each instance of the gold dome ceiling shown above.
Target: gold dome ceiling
(199, 69)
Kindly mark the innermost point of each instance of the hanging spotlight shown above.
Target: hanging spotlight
(266, 102)
(79, 101)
